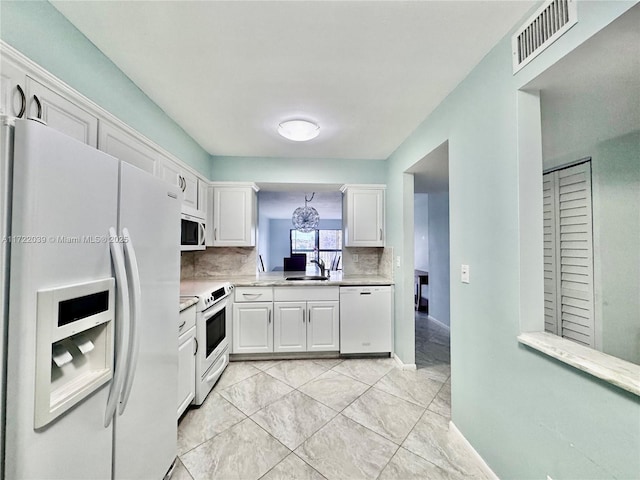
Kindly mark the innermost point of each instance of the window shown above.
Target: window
(318, 244)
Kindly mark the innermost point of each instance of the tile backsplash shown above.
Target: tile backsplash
(371, 261)
(241, 261)
(219, 261)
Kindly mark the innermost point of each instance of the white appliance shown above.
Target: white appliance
(93, 282)
(192, 232)
(366, 319)
(213, 329)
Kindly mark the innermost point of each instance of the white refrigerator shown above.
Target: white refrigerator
(90, 344)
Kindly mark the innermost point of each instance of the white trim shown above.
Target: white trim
(443, 325)
(404, 366)
(483, 465)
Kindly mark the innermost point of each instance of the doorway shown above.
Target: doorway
(431, 261)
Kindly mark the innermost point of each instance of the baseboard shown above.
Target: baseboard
(404, 366)
(483, 465)
(443, 325)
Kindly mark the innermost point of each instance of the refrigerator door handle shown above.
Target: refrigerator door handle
(134, 338)
(122, 325)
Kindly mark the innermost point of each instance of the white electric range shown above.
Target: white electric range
(213, 328)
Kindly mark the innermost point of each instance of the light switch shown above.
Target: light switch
(464, 274)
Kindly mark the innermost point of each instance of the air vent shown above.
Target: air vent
(543, 28)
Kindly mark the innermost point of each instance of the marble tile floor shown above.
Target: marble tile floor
(328, 419)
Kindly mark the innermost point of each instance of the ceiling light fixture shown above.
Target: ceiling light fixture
(298, 130)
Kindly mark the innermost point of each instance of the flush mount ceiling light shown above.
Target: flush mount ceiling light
(306, 219)
(298, 130)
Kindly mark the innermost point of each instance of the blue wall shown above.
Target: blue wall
(43, 34)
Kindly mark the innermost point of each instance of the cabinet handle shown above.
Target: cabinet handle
(309, 315)
(304, 312)
(182, 325)
(23, 101)
(215, 233)
(196, 342)
(184, 183)
(380, 234)
(269, 316)
(39, 105)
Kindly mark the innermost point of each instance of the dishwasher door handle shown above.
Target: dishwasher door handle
(365, 293)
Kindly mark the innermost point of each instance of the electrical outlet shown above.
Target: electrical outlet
(355, 258)
(464, 274)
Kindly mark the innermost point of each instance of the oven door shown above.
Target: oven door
(192, 233)
(213, 338)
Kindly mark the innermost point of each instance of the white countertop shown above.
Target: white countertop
(273, 279)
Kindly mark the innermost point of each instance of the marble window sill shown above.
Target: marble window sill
(620, 373)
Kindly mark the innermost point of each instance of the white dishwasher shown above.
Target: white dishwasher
(366, 314)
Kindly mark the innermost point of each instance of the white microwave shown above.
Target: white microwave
(192, 234)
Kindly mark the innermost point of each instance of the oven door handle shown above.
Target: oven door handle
(122, 326)
(134, 339)
(219, 370)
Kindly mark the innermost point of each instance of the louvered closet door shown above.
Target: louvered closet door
(575, 234)
(551, 259)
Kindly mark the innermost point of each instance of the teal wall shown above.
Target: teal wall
(293, 170)
(40, 32)
(527, 415)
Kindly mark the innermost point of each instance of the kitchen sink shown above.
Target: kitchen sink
(308, 277)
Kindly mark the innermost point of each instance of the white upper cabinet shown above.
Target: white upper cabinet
(234, 215)
(124, 146)
(186, 181)
(363, 215)
(61, 113)
(22, 96)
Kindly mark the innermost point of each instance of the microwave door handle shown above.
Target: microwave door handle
(201, 233)
(134, 338)
(121, 327)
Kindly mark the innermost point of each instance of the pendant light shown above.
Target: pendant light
(306, 218)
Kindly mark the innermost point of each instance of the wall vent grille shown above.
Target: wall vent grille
(544, 27)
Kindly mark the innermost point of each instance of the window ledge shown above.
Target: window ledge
(620, 373)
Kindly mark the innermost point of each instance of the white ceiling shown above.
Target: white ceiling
(368, 72)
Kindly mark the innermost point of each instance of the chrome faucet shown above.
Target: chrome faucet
(321, 265)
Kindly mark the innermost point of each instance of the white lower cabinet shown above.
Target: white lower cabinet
(253, 327)
(290, 327)
(323, 326)
(298, 319)
(186, 359)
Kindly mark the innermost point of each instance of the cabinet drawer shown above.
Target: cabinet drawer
(187, 319)
(254, 294)
(304, 294)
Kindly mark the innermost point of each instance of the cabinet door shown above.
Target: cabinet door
(126, 147)
(252, 327)
(11, 101)
(323, 326)
(233, 217)
(186, 370)
(289, 327)
(62, 114)
(190, 189)
(364, 225)
(202, 197)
